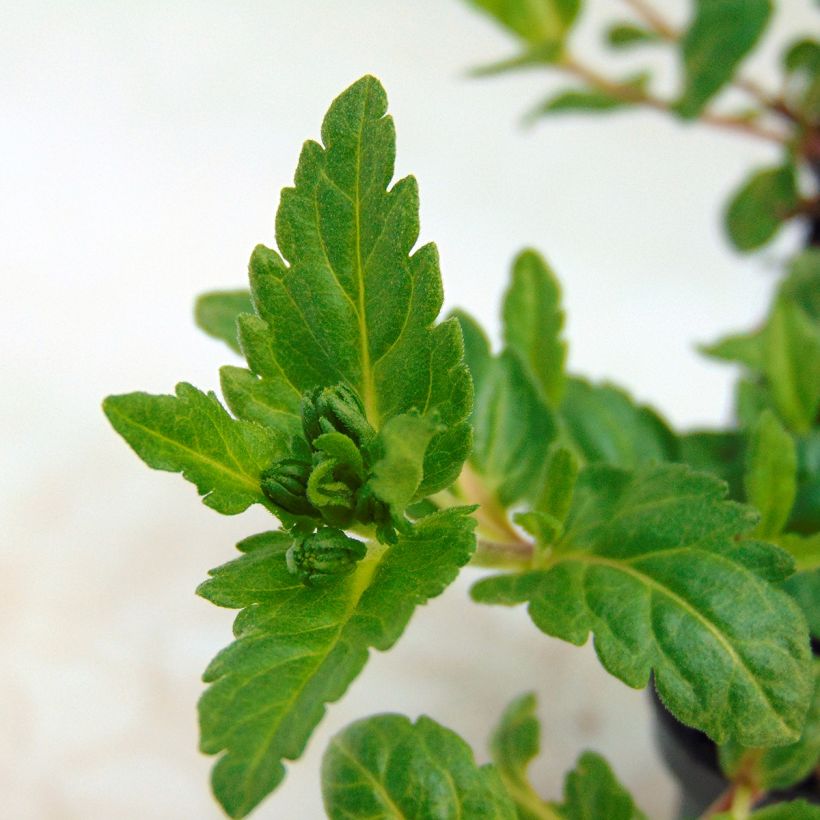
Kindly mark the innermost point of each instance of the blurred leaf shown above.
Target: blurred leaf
(745, 348)
(719, 453)
(802, 285)
(804, 587)
(721, 34)
(631, 91)
(389, 768)
(534, 21)
(216, 313)
(760, 206)
(770, 481)
(533, 321)
(626, 35)
(802, 63)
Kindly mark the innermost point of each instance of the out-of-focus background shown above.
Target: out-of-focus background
(142, 149)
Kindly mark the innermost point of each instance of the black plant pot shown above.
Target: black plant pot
(693, 760)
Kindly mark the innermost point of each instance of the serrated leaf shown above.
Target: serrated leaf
(387, 768)
(648, 563)
(191, 433)
(269, 402)
(760, 206)
(533, 322)
(592, 791)
(770, 482)
(607, 426)
(354, 305)
(783, 766)
(534, 21)
(216, 314)
(298, 648)
(626, 35)
(721, 34)
(513, 745)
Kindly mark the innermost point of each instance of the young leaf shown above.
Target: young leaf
(771, 465)
(533, 321)
(607, 426)
(591, 791)
(782, 766)
(298, 647)
(575, 100)
(760, 206)
(626, 35)
(513, 745)
(745, 348)
(191, 433)
(389, 768)
(354, 305)
(720, 36)
(534, 21)
(216, 313)
(650, 564)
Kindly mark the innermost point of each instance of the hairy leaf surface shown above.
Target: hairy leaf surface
(191, 433)
(387, 768)
(298, 648)
(650, 564)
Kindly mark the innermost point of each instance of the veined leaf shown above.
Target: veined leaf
(191, 433)
(354, 305)
(533, 321)
(388, 768)
(783, 766)
(721, 34)
(607, 426)
(534, 21)
(591, 791)
(298, 648)
(650, 564)
(216, 314)
(514, 744)
(760, 206)
(771, 466)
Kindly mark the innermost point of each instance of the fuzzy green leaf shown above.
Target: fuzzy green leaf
(298, 648)
(804, 587)
(782, 766)
(607, 426)
(650, 564)
(626, 35)
(793, 810)
(216, 313)
(191, 433)
(533, 321)
(534, 21)
(578, 100)
(387, 768)
(592, 791)
(771, 465)
(760, 206)
(348, 301)
(721, 34)
(513, 745)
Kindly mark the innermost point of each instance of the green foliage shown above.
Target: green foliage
(721, 34)
(389, 768)
(626, 35)
(646, 562)
(794, 810)
(298, 647)
(760, 206)
(216, 313)
(534, 21)
(783, 766)
(191, 433)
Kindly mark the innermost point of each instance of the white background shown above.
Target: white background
(142, 148)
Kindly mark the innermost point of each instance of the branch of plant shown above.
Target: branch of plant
(632, 94)
(659, 25)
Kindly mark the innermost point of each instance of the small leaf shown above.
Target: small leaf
(389, 768)
(533, 321)
(555, 496)
(534, 21)
(513, 745)
(591, 791)
(216, 314)
(721, 34)
(632, 91)
(607, 426)
(745, 348)
(782, 766)
(191, 433)
(760, 206)
(771, 464)
(649, 564)
(626, 35)
(298, 648)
